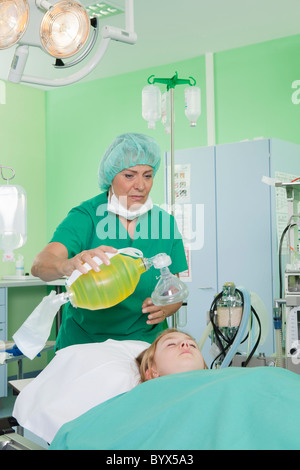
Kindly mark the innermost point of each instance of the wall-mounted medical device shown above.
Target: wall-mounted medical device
(63, 29)
(292, 316)
(287, 308)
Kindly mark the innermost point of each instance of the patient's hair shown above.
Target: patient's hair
(146, 358)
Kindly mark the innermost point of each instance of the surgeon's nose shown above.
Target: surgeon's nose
(139, 183)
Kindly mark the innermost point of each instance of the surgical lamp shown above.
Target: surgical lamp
(62, 29)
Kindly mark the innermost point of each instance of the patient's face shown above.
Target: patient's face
(176, 352)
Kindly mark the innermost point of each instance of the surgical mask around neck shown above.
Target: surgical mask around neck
(115, 206)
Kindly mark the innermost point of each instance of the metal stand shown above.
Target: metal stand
(171, 84)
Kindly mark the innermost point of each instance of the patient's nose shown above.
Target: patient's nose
(184, 344)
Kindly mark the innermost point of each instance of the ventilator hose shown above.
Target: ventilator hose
(242, 328)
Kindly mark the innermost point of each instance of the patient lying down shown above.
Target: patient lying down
(171, 353)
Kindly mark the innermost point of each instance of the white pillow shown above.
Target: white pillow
(78, 378)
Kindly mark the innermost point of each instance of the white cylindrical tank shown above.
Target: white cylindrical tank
(13, 219)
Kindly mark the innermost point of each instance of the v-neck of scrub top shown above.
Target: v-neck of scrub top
(128, 237)
(141, 234)
(137, 241)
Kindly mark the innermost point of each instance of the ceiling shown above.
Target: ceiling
(173, 30)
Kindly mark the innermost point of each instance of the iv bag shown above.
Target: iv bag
(192, 95)
(13, 226)
(151, 105)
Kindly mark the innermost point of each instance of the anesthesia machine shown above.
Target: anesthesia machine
(287, 307)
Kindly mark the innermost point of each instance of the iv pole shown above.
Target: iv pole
(171, 84)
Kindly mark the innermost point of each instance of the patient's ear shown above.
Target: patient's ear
(151, 373)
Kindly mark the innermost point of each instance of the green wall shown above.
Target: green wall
(23, 147)
(254, 91)
(55, 139)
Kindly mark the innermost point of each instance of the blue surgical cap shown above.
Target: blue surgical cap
(127, 150)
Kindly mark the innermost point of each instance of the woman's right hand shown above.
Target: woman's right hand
(86, 256)
(52, 262)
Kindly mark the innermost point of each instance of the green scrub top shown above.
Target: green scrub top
(90, 225)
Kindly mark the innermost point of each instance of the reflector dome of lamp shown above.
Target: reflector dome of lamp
(62, 29)
(14, 18)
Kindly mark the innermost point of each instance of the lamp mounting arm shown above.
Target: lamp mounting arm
(43, 4)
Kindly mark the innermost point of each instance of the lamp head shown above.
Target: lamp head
(14, 17)
(64, 29)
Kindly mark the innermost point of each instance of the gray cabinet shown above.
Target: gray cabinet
(240, 236)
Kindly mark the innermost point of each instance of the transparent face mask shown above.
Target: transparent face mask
(169, 289)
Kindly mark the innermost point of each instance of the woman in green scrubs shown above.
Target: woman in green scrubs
(121, 216)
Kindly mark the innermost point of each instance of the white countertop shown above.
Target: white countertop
(26, 281)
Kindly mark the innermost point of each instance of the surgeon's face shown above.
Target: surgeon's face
(132, 186)
(176, 352)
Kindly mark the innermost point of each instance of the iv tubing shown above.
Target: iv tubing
(241, 331)
(205, 335)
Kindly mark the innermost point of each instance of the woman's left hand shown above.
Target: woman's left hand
(158, 313)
